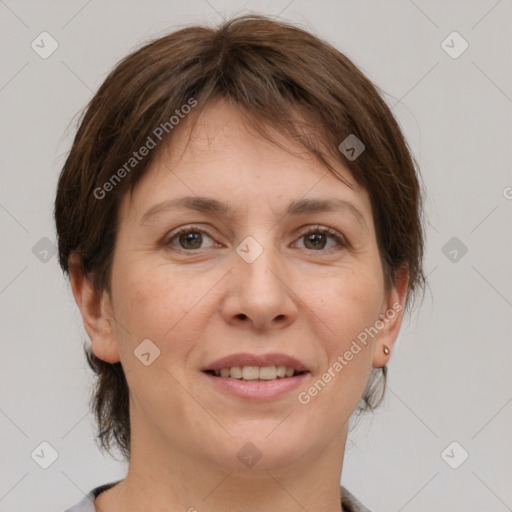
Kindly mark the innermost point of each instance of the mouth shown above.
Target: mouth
(246, 383)
(256, 373)
(257, 377)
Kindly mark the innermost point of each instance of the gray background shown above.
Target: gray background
(450, 377)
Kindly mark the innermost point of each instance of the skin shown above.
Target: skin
(197, 305)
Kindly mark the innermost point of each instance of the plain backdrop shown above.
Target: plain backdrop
(449, 378)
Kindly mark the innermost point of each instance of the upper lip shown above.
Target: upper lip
(246, 359)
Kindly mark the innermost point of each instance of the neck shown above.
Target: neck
(170, 480)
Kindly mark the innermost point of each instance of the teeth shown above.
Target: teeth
(256, 372)
(250, 372)
(235, 372)
(281, 371)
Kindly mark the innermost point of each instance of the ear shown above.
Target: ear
(391, 318)
(96, 310)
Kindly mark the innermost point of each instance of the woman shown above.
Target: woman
(240, 218)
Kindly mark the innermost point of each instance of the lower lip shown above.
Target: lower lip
(257, 389)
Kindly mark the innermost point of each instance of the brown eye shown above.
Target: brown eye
(322, 238)
(191, 240)
(315, 240)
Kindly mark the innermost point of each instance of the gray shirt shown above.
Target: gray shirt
(349, 502)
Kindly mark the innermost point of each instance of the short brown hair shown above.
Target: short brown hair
(272, 70)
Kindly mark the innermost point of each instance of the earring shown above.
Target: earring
(386, 350)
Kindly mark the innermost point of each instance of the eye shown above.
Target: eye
(316, 238)
(191, 238)
(188, 238)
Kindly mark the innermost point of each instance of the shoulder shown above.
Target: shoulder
(350, 503)
(86, 504)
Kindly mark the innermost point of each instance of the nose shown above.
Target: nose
(260, 294)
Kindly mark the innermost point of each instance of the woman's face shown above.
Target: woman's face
(252, 272)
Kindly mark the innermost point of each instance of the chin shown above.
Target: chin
(260, 448)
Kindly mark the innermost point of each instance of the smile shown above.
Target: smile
(256, 372)
(255, 389)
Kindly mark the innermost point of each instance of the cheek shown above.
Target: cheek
(349, 302)
(340, 383)
(146, 295)
(346, 308)
(154, 303)
(151, 307)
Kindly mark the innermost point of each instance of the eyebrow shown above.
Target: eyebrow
(297, 207)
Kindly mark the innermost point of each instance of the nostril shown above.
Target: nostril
(241, 316)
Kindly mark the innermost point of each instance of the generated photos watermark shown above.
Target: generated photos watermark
(304, 397)
(157, 135)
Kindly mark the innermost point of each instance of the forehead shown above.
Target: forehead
(223, 130)
(220, 153)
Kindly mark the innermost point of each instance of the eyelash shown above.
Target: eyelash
(341, 241)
